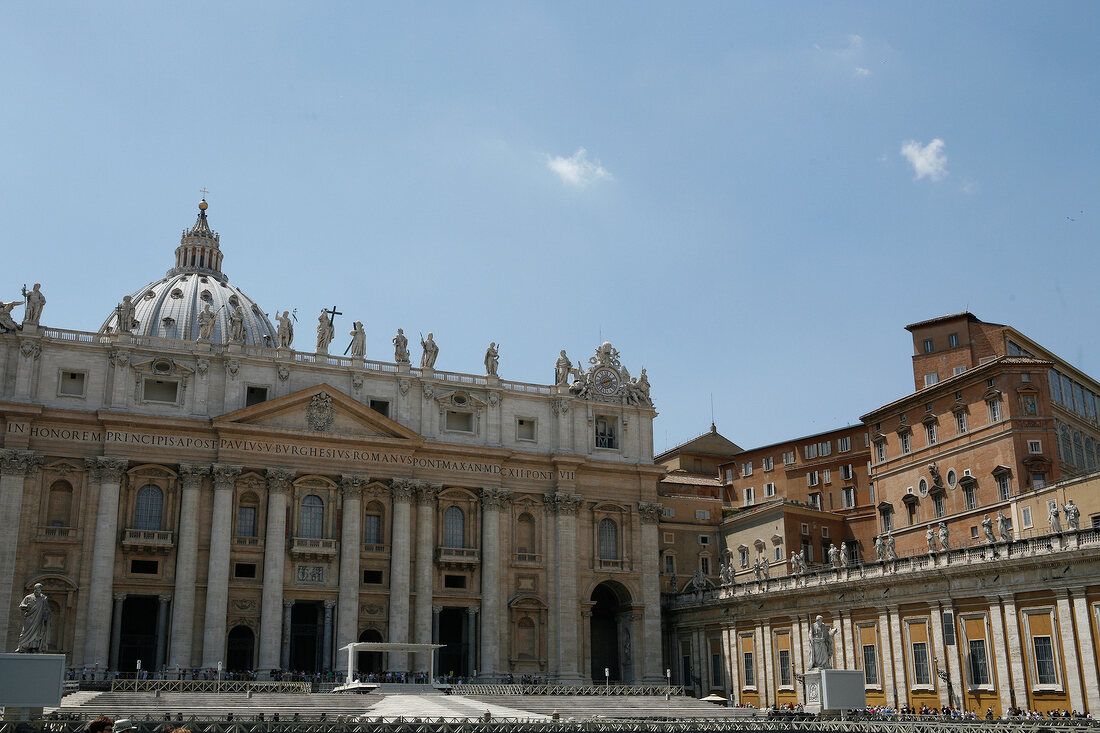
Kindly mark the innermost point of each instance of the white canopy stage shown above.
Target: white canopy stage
(385, 646)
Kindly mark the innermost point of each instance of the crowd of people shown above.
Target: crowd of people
(954, 713)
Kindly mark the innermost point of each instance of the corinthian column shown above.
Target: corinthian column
(101, 586)
(351, 542)
(651, 595)
(183, 607)
(564, 507)
(15, 467)
(402, 491)
(217, 576)
(491, 622)
(425, 542)
(271, 604)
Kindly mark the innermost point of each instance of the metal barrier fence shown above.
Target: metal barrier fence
(577, 690)
(209, 686)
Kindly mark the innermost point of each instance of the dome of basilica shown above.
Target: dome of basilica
(169, 307)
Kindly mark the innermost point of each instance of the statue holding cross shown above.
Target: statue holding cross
(326, 331)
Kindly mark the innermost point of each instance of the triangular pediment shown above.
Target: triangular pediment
(321, 409)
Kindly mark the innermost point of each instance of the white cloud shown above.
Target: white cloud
(577, 170)
(928, 161)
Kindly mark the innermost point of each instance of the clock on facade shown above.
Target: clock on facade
(606, 381)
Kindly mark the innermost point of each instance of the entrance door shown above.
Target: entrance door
(240, 649)
(369, 662)
(604, 634)
(139, 634)
(305, 636)
(452, 632)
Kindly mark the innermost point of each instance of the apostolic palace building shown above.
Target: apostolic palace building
(192, 491)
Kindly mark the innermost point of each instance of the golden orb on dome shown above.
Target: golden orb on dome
(203, 205)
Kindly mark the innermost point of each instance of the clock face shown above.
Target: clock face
(606, 381)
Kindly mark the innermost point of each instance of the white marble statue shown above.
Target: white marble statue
(286, 329)
(1054, 517)
(492, 359)
(125, 311)
(400, 348)
(36, 622)
(843, 554)
(880, 548)
(358, 346)
(891, 552)
(206, 320)
(1004, 528)
(1073, 515)
(7, 323)
(987, 530)
(561, 369)
(236, 325)
(430, 352)
(821, 644)
(326, 332)
(930, 537)
(945, 538)
(35, 300)
(834, 556)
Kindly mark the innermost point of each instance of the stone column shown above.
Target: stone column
(563, 506)
(734, 651)
(1088, 656)
(954, 668)
(1071, 660)
(849, 661)
(326, 650)
(885, 646)
(766, 681)
(727, 688)
(998, 650)
(162, 633)
(425, 544)
(15, 467)
(120, 360)
(901, 689)
(101, 586)
(492, 621)
(116, 630)
(217, 576)
(351, 543)
(648, 647)
(273, 637)
(1016, 679)
(436, 610)
(183, 610)
(471, 638)
(284, 653)
(796, 655)
(938, 653)
(586, 642)
(401, 491)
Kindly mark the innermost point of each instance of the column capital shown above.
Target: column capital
(288, 603)
(119, 597)
(437, 609)
(164, 599)
(18, 462)
(426, 492)
(225, 476)
(278, 480)
(329, 605)
(106, 469)
(650, 511)
(401, 490)
(351, 486)
(473, 610)
(559, 502)
(192, 474)
(495, 498)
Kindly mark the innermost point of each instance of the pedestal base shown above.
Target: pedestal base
(833, 690)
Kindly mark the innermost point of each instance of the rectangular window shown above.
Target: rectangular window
(827, 476)
(244, 570)
(1038, 480)
(161, 390)
(729, 475)
(71, 384)
(961, 425)
(767, 463)
(948, 628)
(813, 478)
(743, 557)
(906, 443)
(715, 670)
(670, 564)
(930, 430)
(606, 433)
(1044, 660)
(750, 496)
(846, 472)
(144, 567)
(702, 514)
(979, 665)
(826, 448)
(246, 521)
(824, 531)
(1003, 489)
(931, 378)
(921, 675)
(1025, 516)
(880, 451)
(788, 458)
(994, 411)
(952, 340)
(1034, 446)
(958, 370)
(848, 494)
(525, 428)
(870, 664)
(1055, 386)
(704, 539)
(928, 346)
(810, 451)
(668, 512)
(254, 395)
(940, 505)
(382, 407)
(746, 469)
(784, 668)
(779, 554)
(969, 497)
(807, 551)
(704, 565)
(372, 577)
(815, 501)
(750, 672)
(805, 528)
(454, 581)
(887, 521)
(871, 493)
(843, 445)
(769, 490)
(462, 422)
(372, 529)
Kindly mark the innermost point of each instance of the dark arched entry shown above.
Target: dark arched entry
(139, 634)
(610, 640)
(240, 649)
(453, 633)
(305, 636)
(369, 662)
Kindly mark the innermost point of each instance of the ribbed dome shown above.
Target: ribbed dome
(169, 307)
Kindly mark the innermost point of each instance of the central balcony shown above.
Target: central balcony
(310, 548)
(148, 540)
(457, 556)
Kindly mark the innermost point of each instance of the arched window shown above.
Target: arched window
(372, 525)
(525, 534)
(454, 527)
(150, 506)
(60, 504)
(246, 515)
(609, 540)
(312, 518)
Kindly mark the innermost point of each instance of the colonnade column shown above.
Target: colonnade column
(954, 669)
(491, 621)
(1017, 681)
(1088, 657)
(183, 609)
(796, 655)
(901, 689)
(326, 649)
(15, 467)
(425, 543)
(101, 586)
(401, 491)
(116, 630)
(162, 632)
(471, 638)
(436, 610)
(1070, 651)
(999, 653)
(351, 543)
(564, 507)
(887, 660)
(650, 652)
(274, 628)
(217, 575)
(284, 648)
(939, 651)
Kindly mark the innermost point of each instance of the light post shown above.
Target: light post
(219, 683)
(607, 679)
(137, 677)
(668, 690)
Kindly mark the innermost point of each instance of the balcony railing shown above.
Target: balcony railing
(248, 541)
(376, 548)
(457, 555)
(603, 563)
(528, 558)
(313, 547)
(59, 533)
(156, 540)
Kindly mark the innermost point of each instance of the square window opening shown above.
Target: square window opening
(254, 396)
(71, 384)
(454, 581)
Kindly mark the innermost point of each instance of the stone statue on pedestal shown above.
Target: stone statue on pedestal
(930, 537)
(125, 311)
(821, 645)
(325, 332)
(562, 368)
(286, 329)
(1003, 527)
(358, 346)
(798, 563)
(987, 530)
(843, 554)
(36, 622)
(492, 359)
(1054, 518)
(880, 548)
(945, 538)
(35, 300)
(400, 348)
(891, 553)
(7, 323)
(1073, 515)
(834, 556)
(236, 325)
(206, 320)
(430, 352)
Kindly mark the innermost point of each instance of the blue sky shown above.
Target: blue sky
(750, 200)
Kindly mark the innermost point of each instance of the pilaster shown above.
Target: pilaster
(650, 648)
(1017, 682)
(1088, 653)
(491, 621)
(273, 638)
(1070, 651)
(999, 652)
(30, 349)
(563, 506)
(351, 543)
(401, 491)
(109, 471)
(424, 495)
(183, 610)
(16, 466)
(217, 576)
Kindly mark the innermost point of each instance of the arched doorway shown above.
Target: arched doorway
(305, 636)
(240, 649)
(369, 662)
(610, 636)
